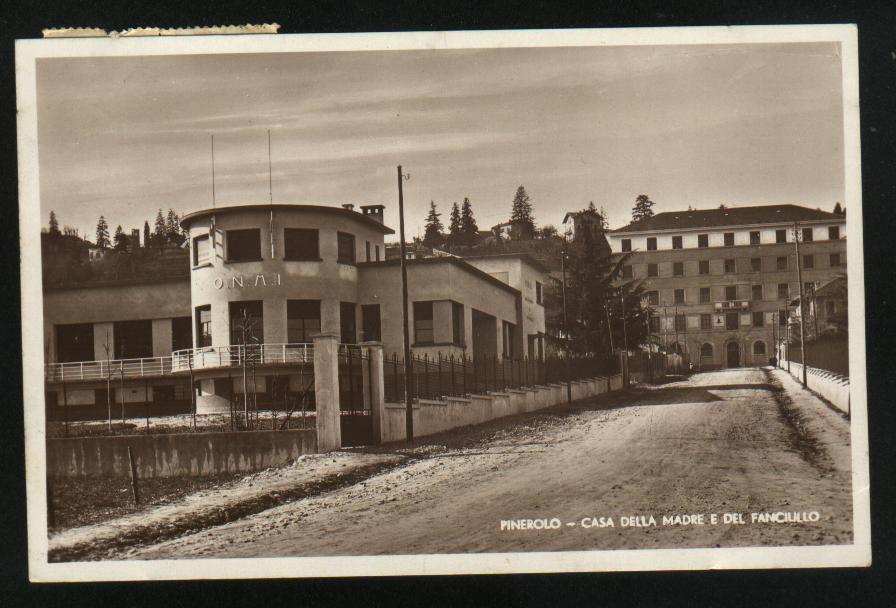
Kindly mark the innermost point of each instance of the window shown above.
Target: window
(347, 328)
(653, 298)
(457, 323)
(676, 242)
(781, 262)
(729, 266)
(780, 236)
(509, 340)
(345, 245)
(835, 260)
(756, 293)
(807, 235)
(679, 296)
(627, 271)
(654, 324)
(201, 250)
(704, 295)
(203, 326)
(731, 320)
(756, 264)
(181, 333)
(808, 261)
(758, 319)
(367, 250)
(782, 317)
(681, 323)
(370, 323)
(834, 233)
(302, 320)
(754, 237)
(678, 269)
(424, 332)
(704, 266)
(244, 245)
(729, 239)
(653, 270)
(758, 347)
(300, 244)
(74, 342)
(809, 288)
(705, 321)
(651, 243)
(783, 291)
(626, 244)
(706, 351)
(730, 292)
(702, 240)
(539, 293)
(377, 251)
(247, 322)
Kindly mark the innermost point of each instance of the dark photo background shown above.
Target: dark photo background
(877, 49)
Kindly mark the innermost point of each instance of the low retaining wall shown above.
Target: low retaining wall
(436, 416)
(831, 386)
(194, 455)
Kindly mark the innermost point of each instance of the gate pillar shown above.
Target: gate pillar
(326, 392)
(374, 388)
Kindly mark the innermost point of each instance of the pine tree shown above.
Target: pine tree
(455, 237)
(432, 235)
(158, 234)
(521, 215)
(121, 241)
(172, 228)
(469, 231)
(102, 233)
(642, 209)
(837, 209)
(54, 224)
(146, 235)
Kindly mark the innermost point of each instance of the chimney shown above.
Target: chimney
(348, 207)
(374, 212)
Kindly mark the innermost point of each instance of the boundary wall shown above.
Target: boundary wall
(831, 386)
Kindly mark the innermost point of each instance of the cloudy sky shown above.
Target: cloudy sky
(687, 125)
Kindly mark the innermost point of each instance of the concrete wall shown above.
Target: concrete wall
(173, 455)
(831, 386)
(436, 416)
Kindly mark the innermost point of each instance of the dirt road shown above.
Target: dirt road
(731, 441)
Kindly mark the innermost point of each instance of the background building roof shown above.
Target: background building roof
(728, 216)
(186, 220)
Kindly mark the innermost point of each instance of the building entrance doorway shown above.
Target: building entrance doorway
(732, 353)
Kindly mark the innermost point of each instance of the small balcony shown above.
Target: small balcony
(732, 306)
(211, 357)
(149, 367)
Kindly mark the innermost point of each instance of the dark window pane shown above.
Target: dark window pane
(808, 261)
(754, 237)
(653, 298)
(758, 320)
(783, 291)
(247, 322)
(626, 244)
(807, 235)
(729, 266)
(757, 292)
(652, 270)
(731, 320)
(203, 326)
(835, 260)
(704, 266)
(706, 322)
(834, 233)
(181, 333)
(133, 339)
(300, 244)
(243, 245)
(201, 250)
(781, 236)
(678, 269)
(457, 322)
(346, 248)
(781, 263)
(731, 292)
(756, 264)
(75, 343)
(729, 239)
(676, 242)
(679, 296)
(302, 320)
(424, 330)
(370, 323)
(347, 326)
(702, 240)
(704, 295)
(651, 243)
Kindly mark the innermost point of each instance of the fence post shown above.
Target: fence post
(326, 392)
(377, 397)
(441, 391)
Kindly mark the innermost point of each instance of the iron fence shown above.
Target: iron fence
(438, 377)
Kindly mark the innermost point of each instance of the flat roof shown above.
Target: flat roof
(459, 262)
(526, 257)
(364, 219)
(728, 216)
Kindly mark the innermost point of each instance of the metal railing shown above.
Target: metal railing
(233, 356)
(114, 368)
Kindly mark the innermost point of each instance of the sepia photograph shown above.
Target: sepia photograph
(442, 303)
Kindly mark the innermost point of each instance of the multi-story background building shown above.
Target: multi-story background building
(719, 282)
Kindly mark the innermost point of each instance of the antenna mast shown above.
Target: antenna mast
(213, 171)
(271, 195)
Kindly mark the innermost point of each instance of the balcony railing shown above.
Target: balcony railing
(180, 361)
(234, 355)
(732, 305)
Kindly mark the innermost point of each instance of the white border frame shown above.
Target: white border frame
(28, 51)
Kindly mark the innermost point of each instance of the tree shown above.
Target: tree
(146, 235)
(121, 240)
(172, 228)
(547, 231)
(642, 209)
(432, 235)
(102, 233)
(468, 229)
(521, 215)
(837, 209)
(158, 234)
(454, 226)
(54, 224)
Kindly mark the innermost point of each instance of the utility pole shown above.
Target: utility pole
(624, 329)
(799, 275)
(563, 253)
(609, 327)
(408, 363)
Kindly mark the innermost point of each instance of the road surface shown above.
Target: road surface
(731, 441)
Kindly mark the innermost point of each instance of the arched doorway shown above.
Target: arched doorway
(732, 354)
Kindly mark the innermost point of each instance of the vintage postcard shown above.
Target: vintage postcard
(442, 303)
